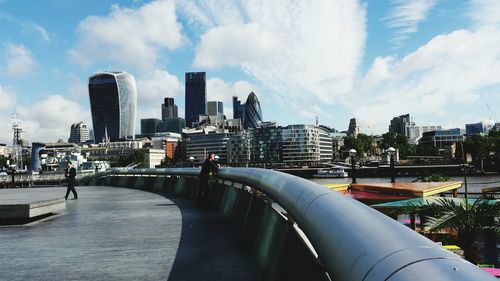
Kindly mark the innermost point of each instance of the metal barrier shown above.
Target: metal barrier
(353, 241)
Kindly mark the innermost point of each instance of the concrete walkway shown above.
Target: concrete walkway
(123, 234)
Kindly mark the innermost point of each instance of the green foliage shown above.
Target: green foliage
(467, 220)
(362, 143)
(3, 161)
(166, 162)
(400, 142)
(133, 158)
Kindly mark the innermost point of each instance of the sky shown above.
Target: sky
(438, 60)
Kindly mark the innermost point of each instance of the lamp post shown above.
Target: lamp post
(352, 154)
(191, 159)
(391, 151)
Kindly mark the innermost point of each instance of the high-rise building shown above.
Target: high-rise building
(249, 112)
(113, 103)
(79, 133)
(479, 128)
(196, 96)
(306, 145)
(150, 126)
(168, 109)
(236, 108)
(174, 125)
(215, 108)
(353, 127)
(399, 125)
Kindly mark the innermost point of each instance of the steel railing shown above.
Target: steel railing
(353, 241)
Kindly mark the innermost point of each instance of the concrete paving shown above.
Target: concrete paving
(123, 234)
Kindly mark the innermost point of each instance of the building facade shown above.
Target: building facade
(79, 133)
(196, 96)
(200, 146)
(215, 108)
(354, 128)
(150, 126)
(399, 125)
(168, 109)
(266, 145)
(442, 138)
(306, 145)
(113, 103)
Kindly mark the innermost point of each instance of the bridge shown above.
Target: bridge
(260, 225)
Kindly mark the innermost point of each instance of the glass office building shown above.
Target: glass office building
(113, 103)
(196, 96)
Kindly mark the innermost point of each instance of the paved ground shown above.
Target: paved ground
(123, 234)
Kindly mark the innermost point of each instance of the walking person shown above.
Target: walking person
(209, 166)
(70, 175)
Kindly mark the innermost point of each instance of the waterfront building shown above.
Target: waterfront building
(195, 96)
(168, 109)
(113, 103)
(4, 151)
(167, 141)
(200, 145)
(238, 149)
(354, 128)
(306, 145)
(150, 126)
(442, 138)
(266, 145)
(79, 133)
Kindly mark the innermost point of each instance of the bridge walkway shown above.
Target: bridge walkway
(123, 234)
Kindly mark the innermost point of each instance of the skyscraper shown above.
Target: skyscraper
(215, 108)
(113, 103)
(252, 113)
(168, 109)
(353, 127)
(196, 96)
(236, 107)
(79, 133)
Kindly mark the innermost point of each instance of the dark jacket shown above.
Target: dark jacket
(71, 174)
(207, 167)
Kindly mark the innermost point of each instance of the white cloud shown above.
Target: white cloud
(127, 36)
(219, 90)
(19, 60)
(405, 16)
(485, 12)
(441, 78)
(154, 86)
(7, 98)
(50, 119)
(304, 50)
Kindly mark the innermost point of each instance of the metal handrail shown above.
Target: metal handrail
(353, 241)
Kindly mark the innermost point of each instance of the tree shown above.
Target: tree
(467, 221)
(166, 162)
(137, 157)
(362, 143)
(400, 142)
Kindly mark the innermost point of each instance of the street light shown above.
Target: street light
(391, 151)
(191, 158)
(352, 153)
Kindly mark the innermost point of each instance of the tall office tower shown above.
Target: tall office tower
(400, 124)
(215, 108)
(252, 113)
(196, 96)
(79, 133)
(353, 127)
(236, 107)
(113, 103)
(168, 109)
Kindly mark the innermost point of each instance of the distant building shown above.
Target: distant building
(238, 149)
(201, 145)
(215, 108)
(3, 149)
(354, 128)
(442, 138)
(399, 125)
(479, 128)
(415, 132)
(174, 124)
(249, 112)
(168, 109)
(150, 126)
(306, 145)
(196, 96)
(168, 142)
(79, 133)
(113, 103)
(266, 145)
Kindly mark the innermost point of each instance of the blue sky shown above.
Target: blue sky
(438, 60)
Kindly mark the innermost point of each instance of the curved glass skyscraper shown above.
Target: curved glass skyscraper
(113, 103)
(252, 113)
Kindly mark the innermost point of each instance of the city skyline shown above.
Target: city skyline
(437, 60)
